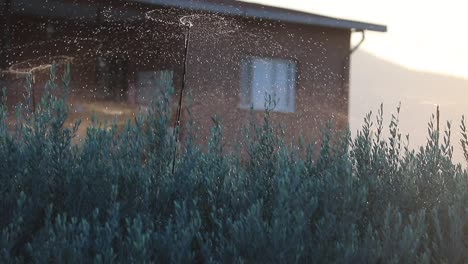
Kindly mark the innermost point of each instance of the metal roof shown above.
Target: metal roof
(237, 8)
(71, 10)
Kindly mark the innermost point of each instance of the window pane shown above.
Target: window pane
(246, 83)
(292, 86)
(261, 77)
(150, 83)
(281, 86)
(262, 82)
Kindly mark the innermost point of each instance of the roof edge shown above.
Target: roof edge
(270, 14)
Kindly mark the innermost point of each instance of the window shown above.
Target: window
(151, 83)
(262, 77)
(112, 76)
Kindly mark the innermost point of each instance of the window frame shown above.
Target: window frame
(162, 77)
(246, 88)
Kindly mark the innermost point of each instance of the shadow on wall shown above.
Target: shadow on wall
(375, 81)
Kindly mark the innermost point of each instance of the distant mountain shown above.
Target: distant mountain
(374, 80)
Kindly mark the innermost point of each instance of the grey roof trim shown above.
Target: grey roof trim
(60, 9)
(54, 9)
(271, 14)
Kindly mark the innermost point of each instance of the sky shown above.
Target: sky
(425, 35)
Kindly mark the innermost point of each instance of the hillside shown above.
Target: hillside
(374, 80)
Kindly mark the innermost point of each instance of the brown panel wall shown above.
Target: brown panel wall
(217, 46)
(321, 89)
(141, 45)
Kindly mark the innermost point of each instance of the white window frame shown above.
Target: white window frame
(254, 88)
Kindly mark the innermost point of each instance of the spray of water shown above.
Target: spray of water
(148, 42)
(31, 66)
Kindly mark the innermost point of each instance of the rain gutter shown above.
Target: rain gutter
(270, 13)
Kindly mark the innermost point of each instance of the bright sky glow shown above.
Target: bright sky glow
(426, 35)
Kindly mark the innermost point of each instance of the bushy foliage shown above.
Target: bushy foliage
(115, 199)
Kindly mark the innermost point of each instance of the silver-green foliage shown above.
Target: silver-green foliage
(114, 197)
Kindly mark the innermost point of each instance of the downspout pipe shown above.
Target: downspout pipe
(345, 77)
(346, 61)
(363, 38)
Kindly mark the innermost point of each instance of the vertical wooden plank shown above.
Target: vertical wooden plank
(5, 31)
